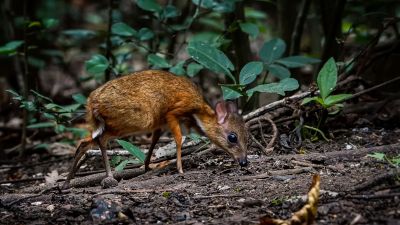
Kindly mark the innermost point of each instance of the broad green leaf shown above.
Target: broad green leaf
(41, 125)
(79, 98)
(50, 23)
(230, 93)
(170, 11)
(250, 28)
(71, 108)
(211, 58)
(333, 99)
(327, 78)
(217, 5)
(178, 68)
(193, 69)
(80, 34)
(123, 29)
(287, 84)
(297, 61)
(145, 34)
(308, 100)
(157, 61)
(278, 71)
(252, 13)
(121, 166)
(250, 71)
(377, 155)
(149, 5)
(97, 65)
(134, 150)
(10, 48)
(272, 50)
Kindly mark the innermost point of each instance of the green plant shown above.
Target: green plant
(326, 82)
(393, 161)
(120, 163)
(272, 62)
(52, 115)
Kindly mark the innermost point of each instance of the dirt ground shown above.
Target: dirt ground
(355, 189)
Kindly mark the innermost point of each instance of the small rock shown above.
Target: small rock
(36, 203)
(50, 208)
(223, 188)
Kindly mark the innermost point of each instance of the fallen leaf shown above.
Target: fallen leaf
(306, 215)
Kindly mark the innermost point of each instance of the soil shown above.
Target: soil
(355, 189)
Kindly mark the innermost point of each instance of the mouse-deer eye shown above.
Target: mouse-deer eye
(232, 138)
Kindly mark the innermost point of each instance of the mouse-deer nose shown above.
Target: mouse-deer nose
(243, 162)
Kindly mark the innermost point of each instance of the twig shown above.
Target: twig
(374, 87)
(278, 173)
(377, 180)
(262, 110)
(308, 164)
(22, 180)
(31, 196)
(218, 196)
(256, 142)
(378, 196)
(270, 146)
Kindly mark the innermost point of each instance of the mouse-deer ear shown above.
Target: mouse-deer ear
(223, 109)
(222, 112)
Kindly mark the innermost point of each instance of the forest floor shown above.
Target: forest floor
(355, 188)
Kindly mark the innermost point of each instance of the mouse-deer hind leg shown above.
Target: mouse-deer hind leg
(83, 146)
(154, 139)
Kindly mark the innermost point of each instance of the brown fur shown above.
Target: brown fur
(152, 100)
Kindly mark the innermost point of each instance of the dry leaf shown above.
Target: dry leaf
(52, 177)
(306, 215)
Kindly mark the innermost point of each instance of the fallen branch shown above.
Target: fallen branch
(377, 180)
(278, 173)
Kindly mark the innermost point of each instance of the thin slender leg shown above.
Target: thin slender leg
(173, 124)
(109, 180)
(80, 151)
(154, 139)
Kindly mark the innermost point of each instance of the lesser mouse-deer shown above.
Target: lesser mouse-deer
(151, 101)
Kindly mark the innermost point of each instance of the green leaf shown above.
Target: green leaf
(123, 29)
(327, 78)
(97, 65)
(278, 71)
(272, 50)
(308, 100)
(157, 61)
(211, 58)
(41, 125)
(217, 5)
(145, 34)
(149, 5)
(230, 93)
(121, 166)
(193, 69)
(37, 94)
(250, 28)
(297, 61)
(134, 150)
(178, 68)
(34, 24)
(287, 84)
(50, 23)
(377, 155)
(170, 11)
(71, 108)
(10, 48)
(79, 98)
(80, 34)
(333, 99)
(13, 93)
(250, 71)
